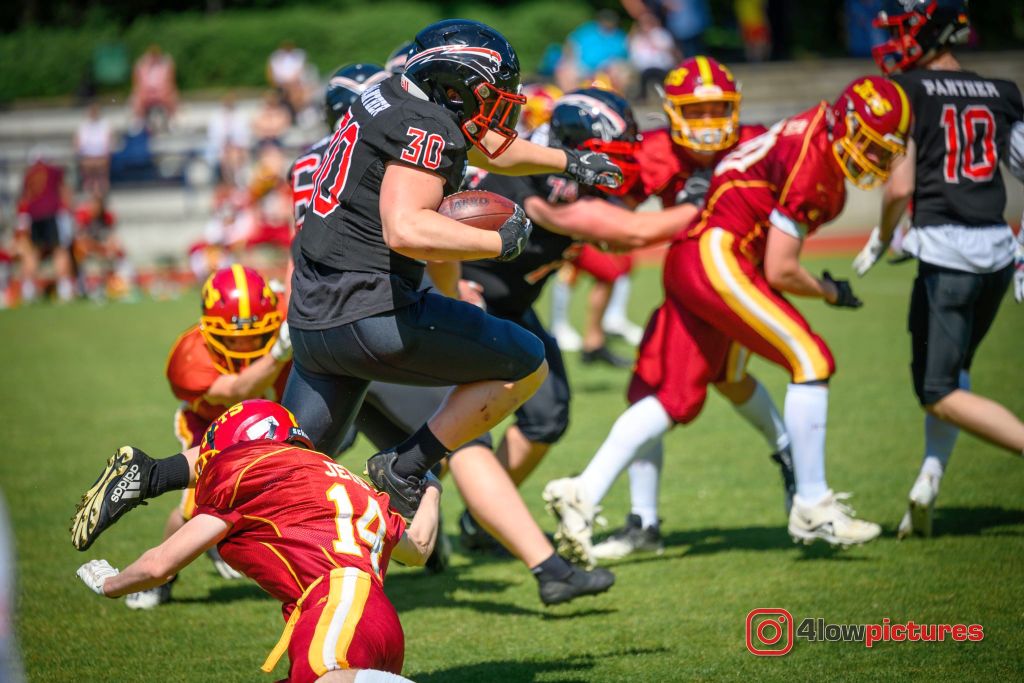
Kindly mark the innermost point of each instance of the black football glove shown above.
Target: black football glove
(846, 298)
(695, 191)
(592, 168)
(515, 232)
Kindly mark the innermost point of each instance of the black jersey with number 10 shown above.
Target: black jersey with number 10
(961, 127)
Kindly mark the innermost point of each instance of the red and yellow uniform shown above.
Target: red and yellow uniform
(317, 538)
(191, 372)
(716, 292)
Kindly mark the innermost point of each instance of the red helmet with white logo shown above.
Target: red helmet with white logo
(250, 420)
(870, 123)
(240, 319)
(702, 100)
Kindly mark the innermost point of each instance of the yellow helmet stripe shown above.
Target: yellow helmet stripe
(244, 308)
(905, 113)
(705, 70)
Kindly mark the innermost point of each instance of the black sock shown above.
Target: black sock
(169, 474)
(419, 453)
(555, 568)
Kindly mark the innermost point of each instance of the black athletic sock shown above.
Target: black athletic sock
(555, 568)
(169, 474)
(418, 453)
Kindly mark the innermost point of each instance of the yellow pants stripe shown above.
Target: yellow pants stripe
(336, 627)
(757, 310)
(736, 365)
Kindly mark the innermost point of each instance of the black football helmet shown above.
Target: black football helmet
(398, 57)
(918, 30)
(470, 69)
(345, 86)
(600, 121)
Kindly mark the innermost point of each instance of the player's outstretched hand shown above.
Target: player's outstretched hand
(845, 298)
(592, 168)
(282, 349)
(95, 573)
(870, 254)
(1018, 269)
(514, 233)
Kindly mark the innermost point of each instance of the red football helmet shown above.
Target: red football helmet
(702, 100)
(250, 420)
(240, 319)
(540, 102)
(870, 122)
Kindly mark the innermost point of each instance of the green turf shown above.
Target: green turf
(79, 380)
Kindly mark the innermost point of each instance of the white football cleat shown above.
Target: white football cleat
(630, 539)
(625, 328)
(921, 508)
(567, 337)
(223, 568)
(830, 520)
(576, 517)
(149, 599)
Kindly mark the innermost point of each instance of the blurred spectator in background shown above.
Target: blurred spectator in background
(95, 238)
(272, 120)
(591, 47)
(861, 36)
(270, 205)
(154, 90)
(652, 51)
(44, 226)
(228, 140)
(686, 20)
(779, 19)
(286, 71)
(93, 143)
(754, 29)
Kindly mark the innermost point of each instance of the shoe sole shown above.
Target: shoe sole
(809, 537)
(87, 512)
(569, 546)
(618, 555)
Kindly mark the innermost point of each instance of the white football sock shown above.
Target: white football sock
(618, 302)
(561, 295)
(940, 438)
(806, 415)
(644, 481)
(65, 289)
(644, 420)
(28, 290)
(375, 676)
(760, 412)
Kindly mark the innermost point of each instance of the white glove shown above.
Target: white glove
(95, 573)
(1018, 268)
(281, 351)
(871, 252)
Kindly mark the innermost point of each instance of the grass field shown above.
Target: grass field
(80, 380)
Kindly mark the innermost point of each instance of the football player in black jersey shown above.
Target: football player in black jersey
(961, 131)
(357, 312)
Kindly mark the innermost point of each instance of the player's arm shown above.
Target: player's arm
(597, 220)
(896, 196)
(445, 276)
(417, 542)
(157, 565)
(228, 390)
(527, 158)
(409, 197)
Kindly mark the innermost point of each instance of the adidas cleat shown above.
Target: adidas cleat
(150, 599)
(829, 520)
(784, 459)
(123, 484)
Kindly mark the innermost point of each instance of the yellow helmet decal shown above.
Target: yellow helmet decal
(878, 104)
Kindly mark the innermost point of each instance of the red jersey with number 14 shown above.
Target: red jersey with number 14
(295, 515)
(787, 177)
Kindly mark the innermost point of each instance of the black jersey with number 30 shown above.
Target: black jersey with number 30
(962, 124)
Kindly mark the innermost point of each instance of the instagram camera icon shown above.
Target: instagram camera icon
(769, 632)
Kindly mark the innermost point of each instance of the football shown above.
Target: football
(481, 209)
